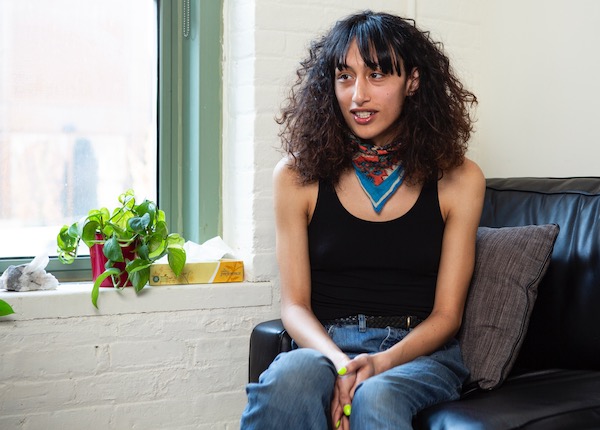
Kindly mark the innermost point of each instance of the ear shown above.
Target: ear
(412, 82)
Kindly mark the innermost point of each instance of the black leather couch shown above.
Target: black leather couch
(555, 383)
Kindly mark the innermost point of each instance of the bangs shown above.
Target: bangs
(376, 50)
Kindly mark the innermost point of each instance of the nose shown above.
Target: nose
(361, 91)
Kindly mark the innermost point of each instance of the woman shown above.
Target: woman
(376, 210)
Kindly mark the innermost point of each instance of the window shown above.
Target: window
(78, 123)
(87, 89)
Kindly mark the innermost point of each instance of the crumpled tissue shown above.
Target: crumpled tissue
(212, 250)
(29, 277)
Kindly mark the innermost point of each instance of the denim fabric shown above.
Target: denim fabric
(295, 391)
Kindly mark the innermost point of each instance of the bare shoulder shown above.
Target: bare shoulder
(462, 187)
(464, 177)
(289, 191)
(286, 177)
(284, 172)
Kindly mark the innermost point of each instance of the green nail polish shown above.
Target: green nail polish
(342, 371)
(347, 410)
(337, 425)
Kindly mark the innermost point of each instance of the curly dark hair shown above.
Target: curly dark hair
(435, 123)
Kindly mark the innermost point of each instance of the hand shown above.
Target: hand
(356, 371)
(363, 366)
(342, 399)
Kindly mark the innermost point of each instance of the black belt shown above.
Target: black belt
(404, 322)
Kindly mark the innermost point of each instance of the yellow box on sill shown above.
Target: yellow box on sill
(207, 272)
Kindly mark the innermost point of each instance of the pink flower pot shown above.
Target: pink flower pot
(99, 260)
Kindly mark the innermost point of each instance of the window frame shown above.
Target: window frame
(188, 130)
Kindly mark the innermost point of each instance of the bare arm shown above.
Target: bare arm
(293, 208)
(293, 203)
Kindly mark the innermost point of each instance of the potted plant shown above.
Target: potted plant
(130, 239)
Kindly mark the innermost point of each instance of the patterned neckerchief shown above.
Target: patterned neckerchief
(379, 171)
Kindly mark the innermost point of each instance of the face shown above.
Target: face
(371, 101)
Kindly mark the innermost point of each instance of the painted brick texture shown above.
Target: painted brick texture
(148, 370)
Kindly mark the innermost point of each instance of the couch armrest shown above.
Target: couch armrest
(267, 340)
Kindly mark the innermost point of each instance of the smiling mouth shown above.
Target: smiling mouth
(363, 114)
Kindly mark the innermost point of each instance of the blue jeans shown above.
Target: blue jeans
(295, 392)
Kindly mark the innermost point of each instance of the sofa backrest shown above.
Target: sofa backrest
(564, 331)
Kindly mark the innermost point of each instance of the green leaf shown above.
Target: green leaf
(108, 230)
(67, 257)
(104, 215)
(88, 232)
(66, 243)
(140, 278)
(137, 265)
(73, 230)
(156, 246)
(5, 308)
(175, 239)
(127, 199)
(161, 229)
(143, 252)
(139, 273)
(122, 233)
(98, 281)
(120, 219)
(112, 250)
(64, 240)
(147, 207)
(176, 256)
(98, 215)
(139, 224)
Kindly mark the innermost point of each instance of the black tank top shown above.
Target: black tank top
(374, 268)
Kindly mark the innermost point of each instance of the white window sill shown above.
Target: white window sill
(74, 299)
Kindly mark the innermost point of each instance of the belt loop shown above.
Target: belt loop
(362, 323)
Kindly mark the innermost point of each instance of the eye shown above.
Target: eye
(343, 76)
(377, 75)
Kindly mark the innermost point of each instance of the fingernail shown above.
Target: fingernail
(342, 371)
(347, 410)
(337, 425)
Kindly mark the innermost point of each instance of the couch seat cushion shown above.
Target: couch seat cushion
(552, 399)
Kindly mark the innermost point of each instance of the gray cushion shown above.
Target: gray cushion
(509, 265)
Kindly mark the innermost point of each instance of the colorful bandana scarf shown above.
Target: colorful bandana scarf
(379, 171)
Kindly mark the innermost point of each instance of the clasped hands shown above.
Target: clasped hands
(349, 378)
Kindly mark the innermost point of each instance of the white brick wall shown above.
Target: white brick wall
(174, 358)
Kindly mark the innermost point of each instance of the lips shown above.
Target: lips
(363, 116)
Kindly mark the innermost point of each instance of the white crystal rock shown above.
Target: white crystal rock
(29, 277)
